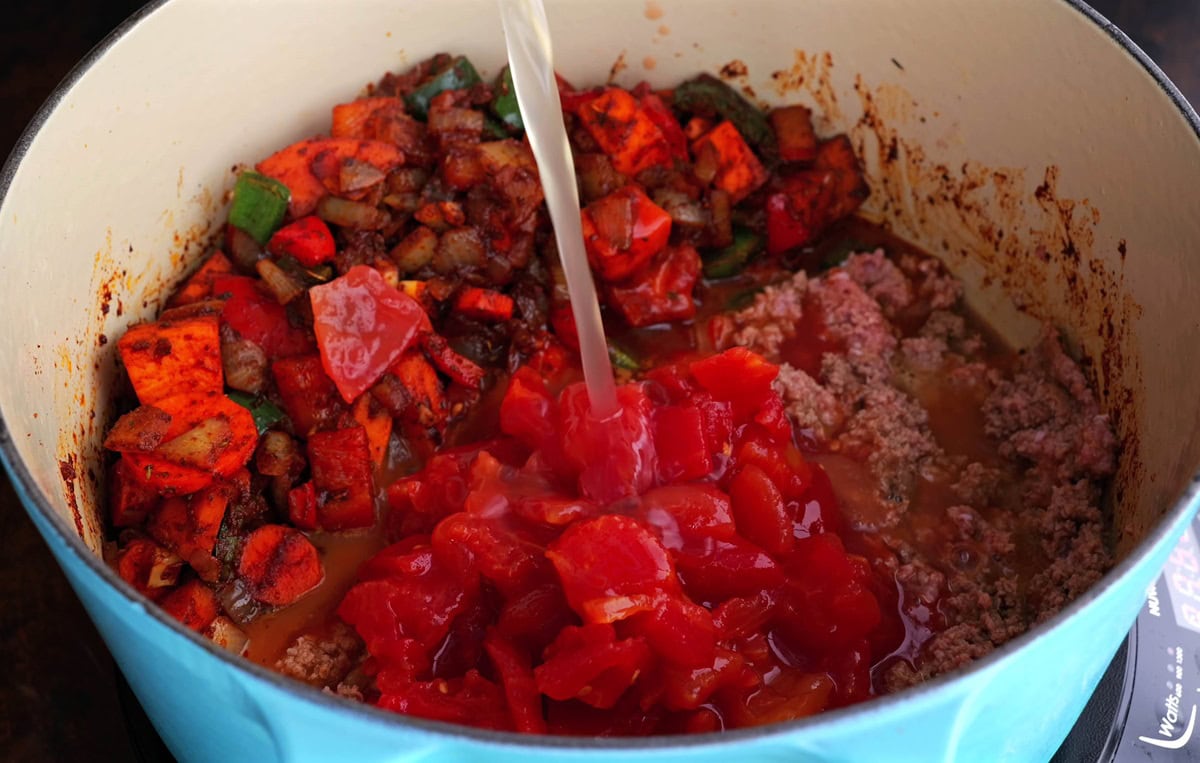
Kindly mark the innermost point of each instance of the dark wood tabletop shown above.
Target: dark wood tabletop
(61, 697)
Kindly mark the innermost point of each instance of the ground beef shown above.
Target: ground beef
(1031, 491)
(856, 320)
(813, 408)
(881, 279)
(322, 662)
(765, 324)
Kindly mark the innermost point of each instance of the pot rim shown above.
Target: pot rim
(34, 501)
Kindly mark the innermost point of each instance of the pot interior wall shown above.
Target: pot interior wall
(1015, 140)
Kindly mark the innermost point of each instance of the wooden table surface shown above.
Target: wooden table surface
(59, 699)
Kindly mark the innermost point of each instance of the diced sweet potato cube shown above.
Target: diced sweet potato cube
(193, 604)
(794, 133)
(377, 424)
(129, 500)
(189, 526)
(199, 285)
(293, 165)
(738, 171)
(142, 429)
(836, 155)
(165, 357)
(148, 567)
(309, 395)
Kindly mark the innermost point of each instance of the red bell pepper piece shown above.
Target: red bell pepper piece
(308, 240)
(302, 506)
(662, 116)
(623, 129)
(623, 231)
(460, 369)
(309, 395)
(484, 304)
(256, 315)
(661, 291)
(362, 327)
(341, 470)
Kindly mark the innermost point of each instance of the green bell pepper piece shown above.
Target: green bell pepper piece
(259, 204)
(705, 94)
(458, 75)
(730, 260)
(504, 102)
(266, 414)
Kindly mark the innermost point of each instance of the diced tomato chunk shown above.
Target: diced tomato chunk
(613, 458)
(470, 699)
(527, 410)
(590, 664)
(759, 510)
(738, 376)
(611, 567)
(683, 452)
(520, 689)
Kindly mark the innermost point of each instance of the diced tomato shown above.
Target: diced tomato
(613, 458)
(738, 376)
(309, 395)
(784, 464)
(362, 326)
(621, 126)
(512, 664)
(341, 469)
(308, 240)
(470, 699)
(256, 315)
(682, 514)
(686, 687)
(789, 696)
(739, 173)
(661, 291)
(679, 631)
(819, 512)
(611, 568)
(590, 664)
(740, 616)
(482, 544)
(679, 440)
(417, 604)
(198, 286)
(720, 569)
(623, 231)
(527, 410)
(827, 601)
(758, 507)
(163, 357)
(292, 166)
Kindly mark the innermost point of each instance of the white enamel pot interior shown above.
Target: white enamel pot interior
(1025, 142)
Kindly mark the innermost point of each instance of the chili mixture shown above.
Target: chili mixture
(361, 451)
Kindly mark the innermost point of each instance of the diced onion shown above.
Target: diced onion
(282, 286)
(415, 250)
(351, 214)
(458, 248)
